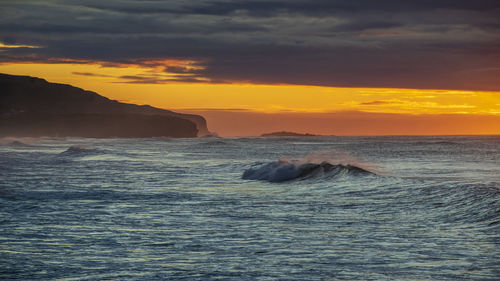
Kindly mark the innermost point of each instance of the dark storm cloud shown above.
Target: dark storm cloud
(266, 8)
(409, 44)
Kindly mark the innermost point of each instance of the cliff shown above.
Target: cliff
(34, 107)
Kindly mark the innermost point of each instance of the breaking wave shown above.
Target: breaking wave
(282, 170)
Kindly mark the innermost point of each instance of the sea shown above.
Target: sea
(311, 208)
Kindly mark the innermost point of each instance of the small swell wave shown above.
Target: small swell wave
(16, 142)
(214, 143)
(77, 150)
(436, 143)
(281, 171)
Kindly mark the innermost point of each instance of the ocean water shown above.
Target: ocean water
(316, 208)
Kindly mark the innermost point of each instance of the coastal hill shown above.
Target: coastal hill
(32, 106)
(287, 134)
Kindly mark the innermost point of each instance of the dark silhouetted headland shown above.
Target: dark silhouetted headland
(287, 134)
(31, 106)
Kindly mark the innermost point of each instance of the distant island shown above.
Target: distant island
(33, 107)
(287, 134)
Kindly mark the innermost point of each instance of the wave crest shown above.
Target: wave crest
(282, 170)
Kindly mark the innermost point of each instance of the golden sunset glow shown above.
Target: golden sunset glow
(152, 85)
(13, 46)
(262, 98)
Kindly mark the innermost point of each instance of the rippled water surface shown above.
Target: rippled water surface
(179, 209)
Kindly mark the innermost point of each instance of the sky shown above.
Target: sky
(335, 67)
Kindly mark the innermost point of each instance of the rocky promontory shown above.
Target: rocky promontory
(33, 107)
(287, 134)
